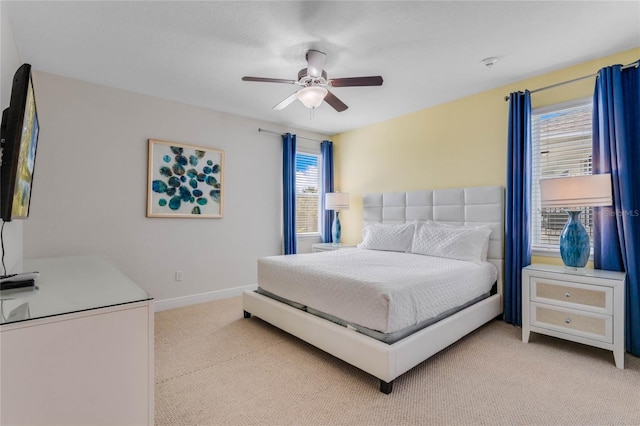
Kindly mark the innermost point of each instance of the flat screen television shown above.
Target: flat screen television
(19, 134)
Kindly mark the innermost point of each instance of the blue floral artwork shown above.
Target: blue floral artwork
(184, 181)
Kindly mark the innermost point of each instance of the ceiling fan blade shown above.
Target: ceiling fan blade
(336, 103)
(269, 80)
(315, 62)
(286, 102)
(374, 80)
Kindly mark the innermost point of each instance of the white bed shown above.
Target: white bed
(402, 290)
(466, 206)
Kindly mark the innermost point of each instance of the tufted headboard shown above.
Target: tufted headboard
(482, 205)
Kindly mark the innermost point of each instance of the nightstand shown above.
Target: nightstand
(585, 306)
(328, 247)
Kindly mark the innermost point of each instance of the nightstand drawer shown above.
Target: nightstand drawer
(578, 323)
(580, 296)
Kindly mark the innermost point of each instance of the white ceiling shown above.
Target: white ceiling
(428, 52)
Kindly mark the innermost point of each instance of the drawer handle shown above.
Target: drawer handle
(568, 320)
(568, 294)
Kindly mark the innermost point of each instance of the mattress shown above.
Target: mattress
(379, 290)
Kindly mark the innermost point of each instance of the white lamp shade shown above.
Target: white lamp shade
(336, 201)
(312, 96)
(576, 191)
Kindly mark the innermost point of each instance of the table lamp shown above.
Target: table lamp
(572, 192)
(336, 201)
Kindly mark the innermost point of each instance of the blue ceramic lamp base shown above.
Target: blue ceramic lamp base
(574, 242)
(336, 229)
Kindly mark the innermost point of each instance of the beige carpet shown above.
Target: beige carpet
(214, 367)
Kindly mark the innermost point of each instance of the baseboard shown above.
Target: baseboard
(178, 302)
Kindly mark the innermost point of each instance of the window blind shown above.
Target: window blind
(561, 143)
(307, 193)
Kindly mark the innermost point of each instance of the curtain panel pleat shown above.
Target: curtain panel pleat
(289, 193)
(616, 150)
(326, 147)
(518, 204)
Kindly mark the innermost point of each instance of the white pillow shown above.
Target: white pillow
(389, 237)
(485, 249)
(454, 242)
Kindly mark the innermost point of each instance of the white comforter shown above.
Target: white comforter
(380, 290)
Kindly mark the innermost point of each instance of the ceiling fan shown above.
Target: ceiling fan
(314, 82)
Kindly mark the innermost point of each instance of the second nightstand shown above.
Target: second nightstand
(328, 247)
(585, 306)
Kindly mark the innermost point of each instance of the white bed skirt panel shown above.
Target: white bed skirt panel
(386, 362)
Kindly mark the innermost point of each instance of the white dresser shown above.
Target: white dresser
(585, 306)
(78, 350)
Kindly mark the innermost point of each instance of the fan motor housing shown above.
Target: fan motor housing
(303, 75)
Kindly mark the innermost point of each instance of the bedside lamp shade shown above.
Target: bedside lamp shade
(336, 201)
(581, 191)
(572, 192)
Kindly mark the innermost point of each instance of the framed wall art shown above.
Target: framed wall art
(184, 181)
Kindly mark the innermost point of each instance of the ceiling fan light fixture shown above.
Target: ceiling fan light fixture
(313, 80)
(312, 96)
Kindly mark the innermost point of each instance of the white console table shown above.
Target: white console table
(78, 349)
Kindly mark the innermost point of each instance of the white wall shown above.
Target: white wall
(90, 188)
(9, 64)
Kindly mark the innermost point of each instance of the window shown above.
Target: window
(308, 193)
(561, 141)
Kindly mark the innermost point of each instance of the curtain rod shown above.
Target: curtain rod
(260, 129)
(562, 83)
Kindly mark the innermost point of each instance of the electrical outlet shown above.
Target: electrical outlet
(178, 275)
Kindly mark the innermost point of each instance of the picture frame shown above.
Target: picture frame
(184, 181)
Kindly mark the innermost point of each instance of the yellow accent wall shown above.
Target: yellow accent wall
(459, 143)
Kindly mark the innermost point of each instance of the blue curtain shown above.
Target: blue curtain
(518, 205)
(327, 186)
(616, 150)
(289, 192)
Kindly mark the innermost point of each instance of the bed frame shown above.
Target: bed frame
(468, 206)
